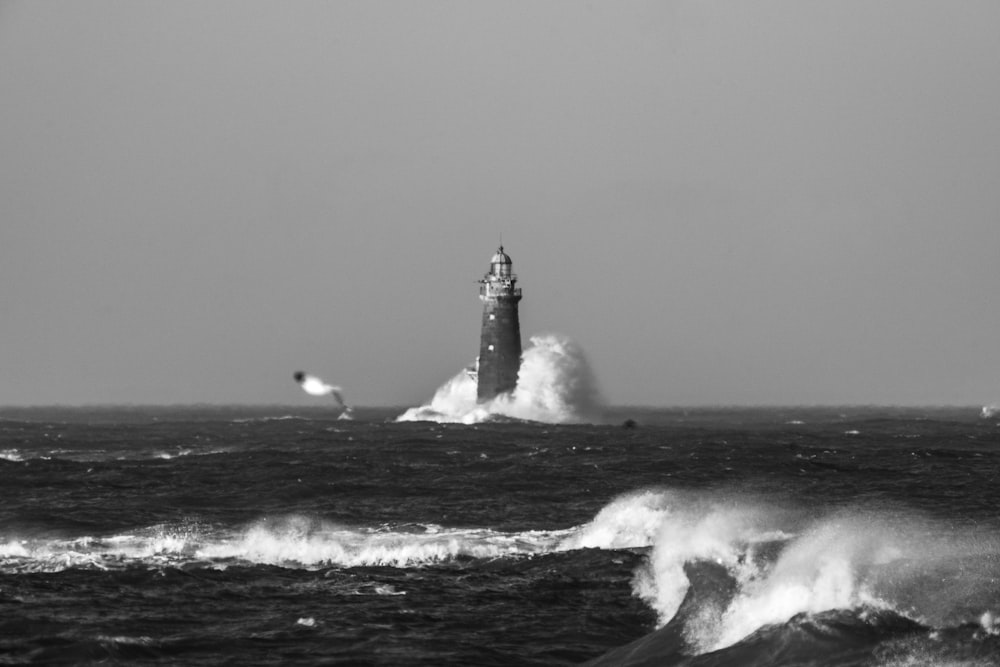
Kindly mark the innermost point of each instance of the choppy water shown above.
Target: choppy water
(707, 537)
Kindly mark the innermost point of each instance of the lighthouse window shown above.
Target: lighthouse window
(490, 348)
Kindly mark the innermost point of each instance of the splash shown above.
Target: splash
(554, 385)
(315, 386)
(696, 527)
(831, 566)
(306, 542)
(633, 520)
(781, 563)
(291, 541)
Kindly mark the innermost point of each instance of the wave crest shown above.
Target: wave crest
(295, 542)
(775, 564)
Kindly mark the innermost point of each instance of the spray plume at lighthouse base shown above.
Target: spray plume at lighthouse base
(555, 385)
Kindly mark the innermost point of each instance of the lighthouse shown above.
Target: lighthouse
(500, 341)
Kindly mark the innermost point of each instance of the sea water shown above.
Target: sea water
(282, 536)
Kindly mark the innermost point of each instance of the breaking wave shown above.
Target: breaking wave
(554, 384)
(295, 542)
(718, 569)
(767, 565)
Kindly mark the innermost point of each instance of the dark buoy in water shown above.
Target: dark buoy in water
(629, 423)
(500, 341)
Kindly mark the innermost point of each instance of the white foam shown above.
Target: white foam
(454, 401)
(126, 640)
(702, 527)
(13, 549)
(633, 520)
(853, 560)
(292, 541)
(990, 623)
(819, 571)
(171, 455)
(301, 541)
(554, 385)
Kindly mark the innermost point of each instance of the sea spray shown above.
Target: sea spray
(293, 541)
(632, 520)
(828, 567)
(704, 527)
(783, 563)
(555, 385)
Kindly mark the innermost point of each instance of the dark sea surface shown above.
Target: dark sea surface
(284, 536)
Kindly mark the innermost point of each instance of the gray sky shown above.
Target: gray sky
(723, 202)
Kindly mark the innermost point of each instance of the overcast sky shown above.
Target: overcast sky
(731, 202)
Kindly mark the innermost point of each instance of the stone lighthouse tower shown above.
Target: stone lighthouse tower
(500, 342)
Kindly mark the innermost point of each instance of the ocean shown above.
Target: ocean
(214, 535)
